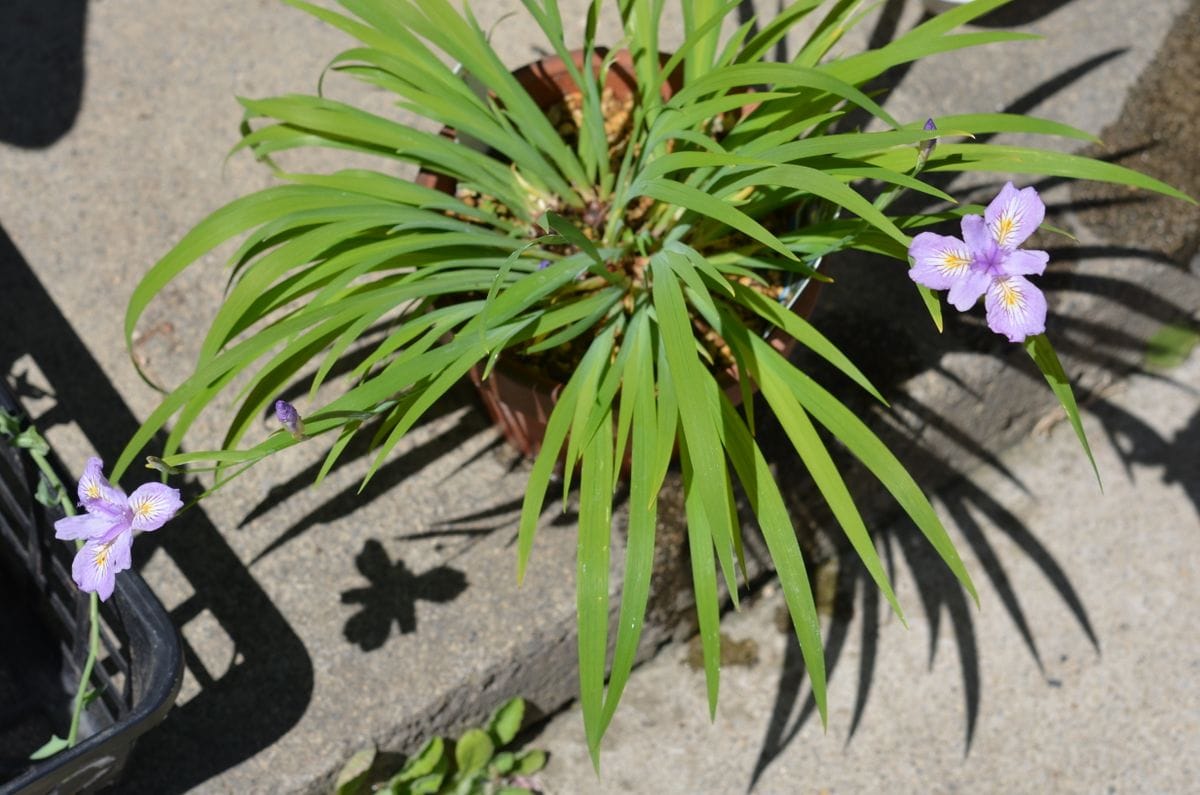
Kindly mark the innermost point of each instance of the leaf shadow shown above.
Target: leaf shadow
(863, 318)
(397, 469)
(1096, 342)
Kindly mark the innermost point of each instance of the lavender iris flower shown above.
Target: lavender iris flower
(108, 526)
(987, 262)
(290, 418)
(925, 148)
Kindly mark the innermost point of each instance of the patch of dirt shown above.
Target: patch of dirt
(743, 653)
(1159, 134)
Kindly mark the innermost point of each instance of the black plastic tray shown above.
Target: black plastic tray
(43, 645)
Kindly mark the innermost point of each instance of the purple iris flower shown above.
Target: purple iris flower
(290, 418)
(925, 148)
(987, 262)
(108, 526)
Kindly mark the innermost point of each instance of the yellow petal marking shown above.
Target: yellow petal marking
(953, 261)
(101, 559)
(1011, 297)
(1006, 225)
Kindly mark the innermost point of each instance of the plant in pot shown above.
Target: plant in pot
(635, 228)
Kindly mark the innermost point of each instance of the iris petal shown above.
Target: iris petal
(965, 293)
(97, 564)
(939, 261)
(1015, 308)
(1014, 215)
(96, 494)
(87, 525)
(152, 504)
(1024, 262)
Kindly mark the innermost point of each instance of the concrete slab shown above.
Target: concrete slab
(318, 620)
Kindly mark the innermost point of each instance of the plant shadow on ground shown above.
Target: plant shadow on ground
(941, 597)
(863, 327)
(264, 693)
(398, 468)
(389, 599)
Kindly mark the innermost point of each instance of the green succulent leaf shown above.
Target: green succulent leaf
(506, 721)
(424, 762)
(530, 762)
(473, 751)
(502, 764)
(50, 748)
(352, 778)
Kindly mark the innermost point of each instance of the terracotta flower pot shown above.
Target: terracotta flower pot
(518, 398)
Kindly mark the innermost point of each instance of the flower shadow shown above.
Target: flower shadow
(392, 596)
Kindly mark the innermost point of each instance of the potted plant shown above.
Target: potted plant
(639, 246)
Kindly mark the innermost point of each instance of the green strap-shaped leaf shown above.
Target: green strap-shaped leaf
(772, 514)
(989, 123)
(778, 76)
(1021, 160)
(805, 333)
(857, 69)
(644, 485)
(1042, 352)
(232, 219)
(819, 183)
(779, 26)
(695, 388)
(704, 586)
(848, 429)
(591, 580)
(557, 427)
(711, 207)
(584, 408)
(807, 443)
(701, 30)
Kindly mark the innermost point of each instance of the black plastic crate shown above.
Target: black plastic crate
(44, 632)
